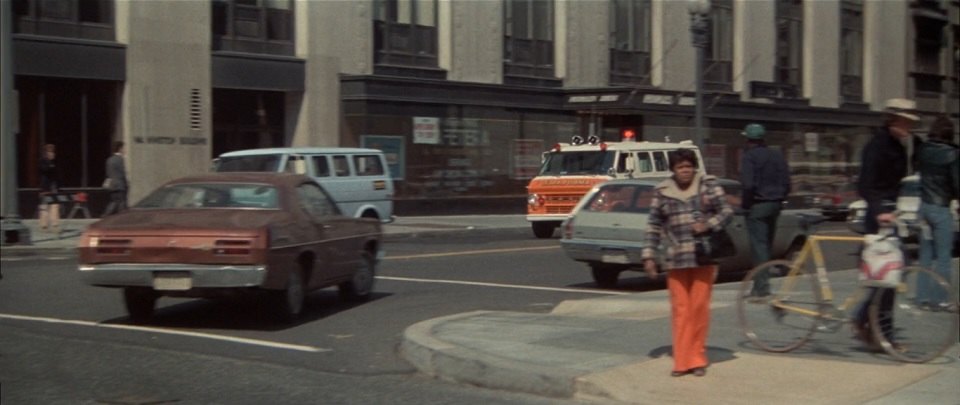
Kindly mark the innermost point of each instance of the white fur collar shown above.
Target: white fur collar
(670, 189)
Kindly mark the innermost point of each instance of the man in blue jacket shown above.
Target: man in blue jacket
(766, 184)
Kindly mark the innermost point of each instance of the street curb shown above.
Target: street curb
(452, 362)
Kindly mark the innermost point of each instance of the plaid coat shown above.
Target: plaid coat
(672, 214)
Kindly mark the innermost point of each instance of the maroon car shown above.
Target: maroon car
(219, 234)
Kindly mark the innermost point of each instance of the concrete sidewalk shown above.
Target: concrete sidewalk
(617, 349)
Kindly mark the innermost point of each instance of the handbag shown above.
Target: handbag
(712, 245)
(881, 262)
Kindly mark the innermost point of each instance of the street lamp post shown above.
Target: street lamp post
(700, 36)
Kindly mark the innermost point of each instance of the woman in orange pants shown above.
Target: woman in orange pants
(676, 217)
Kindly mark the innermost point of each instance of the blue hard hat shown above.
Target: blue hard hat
(754, 131)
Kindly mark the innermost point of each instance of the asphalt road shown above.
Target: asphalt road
(64, 342)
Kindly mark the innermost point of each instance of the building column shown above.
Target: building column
(166, 108)
(8, 121)
(754, 45)
(886, 58)
(821, 53)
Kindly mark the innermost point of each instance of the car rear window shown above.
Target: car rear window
(621, 198)
(212, 195)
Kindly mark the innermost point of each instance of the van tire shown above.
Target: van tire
(543, 230)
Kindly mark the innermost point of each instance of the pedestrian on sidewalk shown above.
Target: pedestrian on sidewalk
(49, 209)
(766, 184)
(883, 165)
(116, 181)
(674, 222)
(937, 161)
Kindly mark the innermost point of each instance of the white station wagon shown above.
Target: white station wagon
(608, 227)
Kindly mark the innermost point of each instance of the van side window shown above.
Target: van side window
(645, 165)
(622, 161)
(296, 164)
(660, 161)
(341, 166)
(368, 165)
(320, 166)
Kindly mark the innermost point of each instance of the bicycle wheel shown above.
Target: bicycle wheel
(785, 319)
(917, 332)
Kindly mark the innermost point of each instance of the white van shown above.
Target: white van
(358, 179)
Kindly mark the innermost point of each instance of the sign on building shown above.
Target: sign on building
(426, 130)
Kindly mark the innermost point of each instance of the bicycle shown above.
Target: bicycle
(801, 303)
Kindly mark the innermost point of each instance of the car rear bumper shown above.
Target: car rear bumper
(603, 251)
(147, 275)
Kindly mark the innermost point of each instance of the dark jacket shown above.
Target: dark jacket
(764, 175)
(49, 176)
(116, 172)
(883, 165)
(939, 168)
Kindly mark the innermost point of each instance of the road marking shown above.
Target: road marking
(522, 287)
(469, 252)
(233, 339)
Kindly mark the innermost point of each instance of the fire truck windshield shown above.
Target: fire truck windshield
(577, 163)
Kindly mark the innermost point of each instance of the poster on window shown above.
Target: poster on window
(525, 160)
(426, 130)
(392, 147)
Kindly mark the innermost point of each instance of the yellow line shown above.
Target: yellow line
(470, 252)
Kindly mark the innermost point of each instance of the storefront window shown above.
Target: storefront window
(447, 157)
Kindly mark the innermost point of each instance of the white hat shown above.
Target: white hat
(902, 107)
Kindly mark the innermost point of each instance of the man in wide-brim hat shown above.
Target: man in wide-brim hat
(883, 165)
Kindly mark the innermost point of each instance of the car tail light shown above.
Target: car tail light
(231, 247)
(568, 229)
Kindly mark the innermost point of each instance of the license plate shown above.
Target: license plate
(616, 259)
(172, 281)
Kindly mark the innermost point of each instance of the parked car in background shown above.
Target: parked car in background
(835, 205)
(225, 234)
(608, 227)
